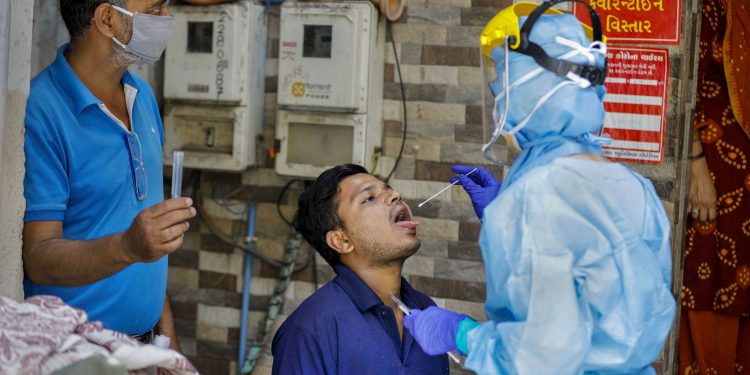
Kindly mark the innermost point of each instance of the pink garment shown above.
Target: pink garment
(43, 334)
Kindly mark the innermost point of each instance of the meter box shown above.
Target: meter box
(324, 54)
(214, 85)
(212, 137)
(330, 86)
(216, 52)
(313, 142)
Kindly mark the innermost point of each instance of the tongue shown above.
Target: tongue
(408, 224)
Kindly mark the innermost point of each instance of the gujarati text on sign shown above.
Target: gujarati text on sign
(636, 104)
(636, 21)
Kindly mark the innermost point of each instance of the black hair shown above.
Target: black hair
(318, 209)
(77, 14)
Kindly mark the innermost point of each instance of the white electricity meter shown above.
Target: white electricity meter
(324, 55)
(330, 86)
(314, 142)
(214, 85)
(213, 52)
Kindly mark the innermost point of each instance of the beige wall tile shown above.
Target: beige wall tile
(211, 333)
(218, 316)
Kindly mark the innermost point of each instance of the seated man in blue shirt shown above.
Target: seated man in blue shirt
(363, 229)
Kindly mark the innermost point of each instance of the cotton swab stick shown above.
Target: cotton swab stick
(443, 190)
(407, 311)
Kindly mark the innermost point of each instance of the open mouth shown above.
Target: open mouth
(402, 214)
(403, 217)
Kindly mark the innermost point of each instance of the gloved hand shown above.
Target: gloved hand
(434, 328)
(481, 185)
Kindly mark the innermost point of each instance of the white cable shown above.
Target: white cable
(538, 104)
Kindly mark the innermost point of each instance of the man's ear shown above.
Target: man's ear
(104, 20)
(339, 241)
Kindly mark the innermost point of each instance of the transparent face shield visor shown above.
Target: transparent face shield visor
(495, 110)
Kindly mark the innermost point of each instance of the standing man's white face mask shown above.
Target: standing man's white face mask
(148, 38)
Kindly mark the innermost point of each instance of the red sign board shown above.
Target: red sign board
(636, 104)
(636, 21)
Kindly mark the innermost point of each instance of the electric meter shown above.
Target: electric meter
(330, 86)
(214, 85)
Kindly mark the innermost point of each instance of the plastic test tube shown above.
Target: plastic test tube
(177, 157)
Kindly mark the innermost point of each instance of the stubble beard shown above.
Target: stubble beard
(379, 256)
(123, 58)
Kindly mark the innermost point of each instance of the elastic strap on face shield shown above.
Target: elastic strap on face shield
(561, 67)
(579, 49)
(530, 75)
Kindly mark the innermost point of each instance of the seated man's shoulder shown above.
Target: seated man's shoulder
(322, 300)
(318, 311)
(305, 341)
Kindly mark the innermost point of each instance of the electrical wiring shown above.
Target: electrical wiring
(280, 199)
(222, 199)
(311, 252)
(403, 102)
(238, 242)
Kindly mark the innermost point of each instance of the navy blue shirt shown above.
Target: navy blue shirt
(344, 328)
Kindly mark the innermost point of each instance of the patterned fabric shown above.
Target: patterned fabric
(43, 334)
(736, 60)
(716, 283)
(717, 257)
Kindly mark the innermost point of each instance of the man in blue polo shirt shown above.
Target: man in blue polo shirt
(364, 230)
(97, 230)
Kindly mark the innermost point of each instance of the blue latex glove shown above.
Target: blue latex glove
(434, 329)
(481, 186)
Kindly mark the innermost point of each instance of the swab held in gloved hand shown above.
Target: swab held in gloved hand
(444, 189)
(407, 311)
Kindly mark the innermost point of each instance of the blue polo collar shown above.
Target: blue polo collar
(363, 296)
(68, 80)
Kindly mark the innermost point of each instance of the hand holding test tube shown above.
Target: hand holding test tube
(145, 239)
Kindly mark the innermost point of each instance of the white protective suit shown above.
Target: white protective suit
(576, 251)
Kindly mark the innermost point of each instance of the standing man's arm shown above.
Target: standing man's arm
(156, 231)
(166, 325)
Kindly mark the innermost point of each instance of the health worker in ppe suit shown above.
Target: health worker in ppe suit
(576, 248)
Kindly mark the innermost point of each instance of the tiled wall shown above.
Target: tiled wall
(438, 50)
(437, 47)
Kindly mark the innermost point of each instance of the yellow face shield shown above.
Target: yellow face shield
(505, 25)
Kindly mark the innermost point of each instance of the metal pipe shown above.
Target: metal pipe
(246, 287)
